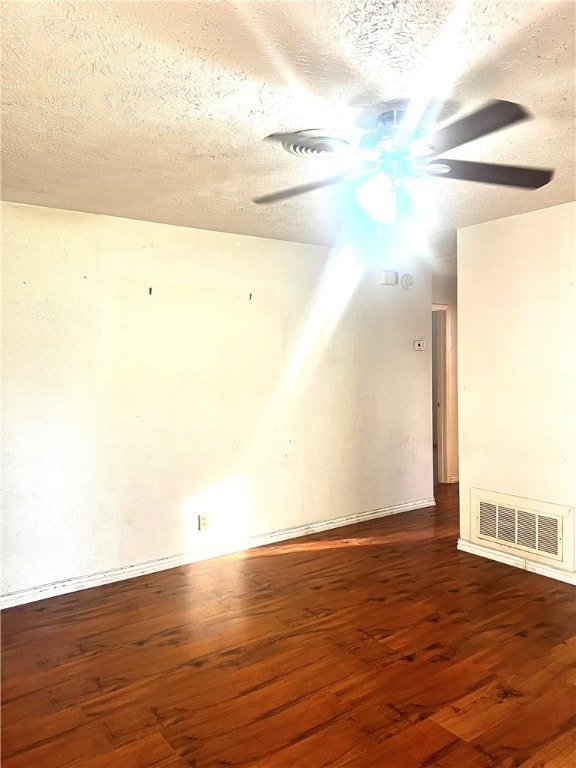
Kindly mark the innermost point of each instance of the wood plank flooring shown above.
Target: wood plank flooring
(378, 645)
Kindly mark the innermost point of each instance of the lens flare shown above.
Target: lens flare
(423, 193)
(387, 201)
(378, 198)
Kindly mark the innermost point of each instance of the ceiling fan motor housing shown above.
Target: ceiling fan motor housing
(387, 129)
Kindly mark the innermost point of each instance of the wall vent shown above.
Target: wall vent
(521, 528)
(528, 528)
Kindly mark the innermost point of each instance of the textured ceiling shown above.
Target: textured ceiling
(157, 110)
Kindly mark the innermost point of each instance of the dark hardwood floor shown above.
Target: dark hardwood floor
(376, 645)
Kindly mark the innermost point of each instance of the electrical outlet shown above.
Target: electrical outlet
(202, 522)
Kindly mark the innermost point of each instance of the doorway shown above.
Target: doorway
(439, 393)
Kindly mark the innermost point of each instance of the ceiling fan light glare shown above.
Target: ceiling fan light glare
(377, 197)
(421, 148)
(423, 193)
(385, 202)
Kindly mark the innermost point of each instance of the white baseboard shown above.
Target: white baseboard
(552, 573)
(517, 562)
(186, 558)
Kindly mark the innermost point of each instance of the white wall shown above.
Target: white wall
(516, 358)
(444, 291)
(128, 414)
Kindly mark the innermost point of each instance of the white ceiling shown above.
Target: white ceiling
(157, 110)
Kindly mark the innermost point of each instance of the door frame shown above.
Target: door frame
(440, 350)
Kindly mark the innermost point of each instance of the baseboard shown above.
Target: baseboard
(517, 562)
(186, 558)
(454, 479)
(552, 573)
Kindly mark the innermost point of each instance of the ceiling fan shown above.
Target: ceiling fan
(389, 165)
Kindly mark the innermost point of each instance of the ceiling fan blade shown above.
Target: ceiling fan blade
(492, 117)
(283, 194)
(489, 173)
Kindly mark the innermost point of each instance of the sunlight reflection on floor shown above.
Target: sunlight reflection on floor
(392, 539)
